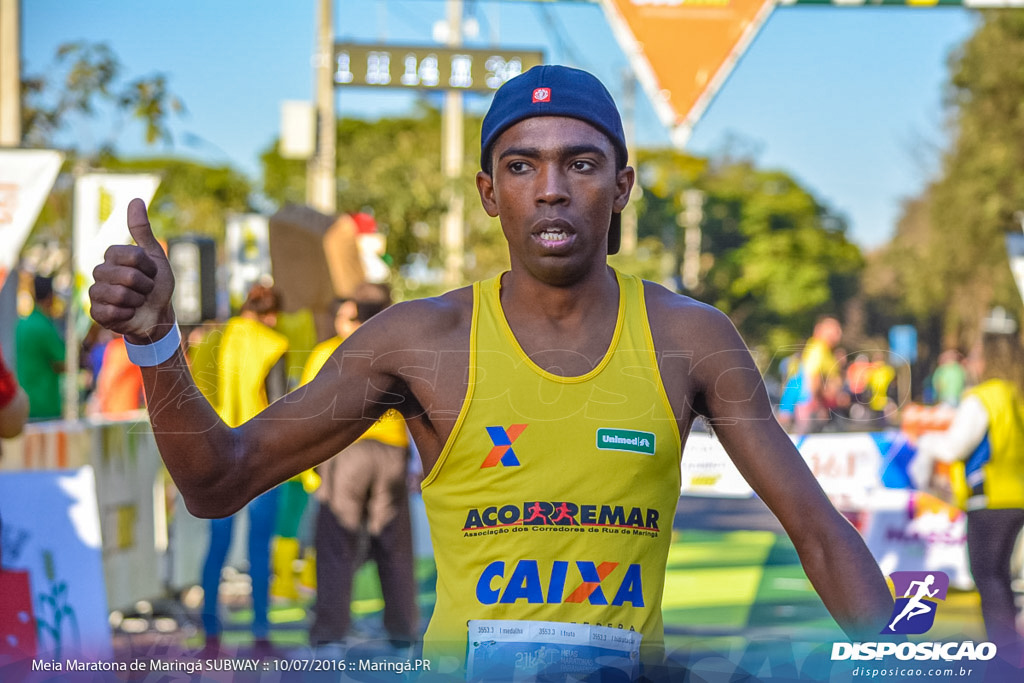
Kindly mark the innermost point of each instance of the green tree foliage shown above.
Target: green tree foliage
(772, 257)
(192, 197)
(976, 200)
(84, 80)
(947, 262)
(84, 87)
(392, 168)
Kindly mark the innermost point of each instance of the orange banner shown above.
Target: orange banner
(683, 50)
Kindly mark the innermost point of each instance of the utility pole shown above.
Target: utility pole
(452, 231)
(629, 218)
(321, 187)
(690, 220)
(10, 74)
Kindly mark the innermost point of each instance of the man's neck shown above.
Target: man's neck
(565, 330)
(524, 295)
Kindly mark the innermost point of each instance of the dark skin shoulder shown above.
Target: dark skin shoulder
(427, 362)
(412, 357)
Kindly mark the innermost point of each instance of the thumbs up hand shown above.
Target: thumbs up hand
(132, 290)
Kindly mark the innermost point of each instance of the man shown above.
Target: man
(559, 383)
(13, 403)
(820, 379)
(40, 358)
(250, 374)
(363, 493)
(949, 379)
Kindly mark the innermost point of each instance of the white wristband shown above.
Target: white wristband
(148, 355)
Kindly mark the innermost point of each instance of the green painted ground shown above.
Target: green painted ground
(722, 589)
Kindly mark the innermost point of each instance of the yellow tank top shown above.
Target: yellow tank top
(389, 429)
(554, 496)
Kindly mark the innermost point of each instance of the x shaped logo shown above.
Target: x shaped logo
(592, 576)
(502, 452)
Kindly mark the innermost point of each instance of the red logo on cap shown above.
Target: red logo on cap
(542, 95)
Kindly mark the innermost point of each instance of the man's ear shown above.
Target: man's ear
(624, 180)
(485, 186)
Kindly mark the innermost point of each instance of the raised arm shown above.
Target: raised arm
(729, 388)
(218, 469)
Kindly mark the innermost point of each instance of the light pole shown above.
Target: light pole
(690, 220)
(10, 75)
(321, 187)
(452, 231)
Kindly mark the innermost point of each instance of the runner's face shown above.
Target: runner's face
(554, 186)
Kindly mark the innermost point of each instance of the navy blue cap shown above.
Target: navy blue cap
(553, 90)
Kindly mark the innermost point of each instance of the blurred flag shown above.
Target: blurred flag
(26, 176)
(100, 220)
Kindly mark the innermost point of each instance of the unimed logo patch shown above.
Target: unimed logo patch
(917, 596)
(629, 440)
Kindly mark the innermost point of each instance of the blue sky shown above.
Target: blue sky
(846, 99)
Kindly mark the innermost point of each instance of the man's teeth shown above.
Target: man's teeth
(553, 235)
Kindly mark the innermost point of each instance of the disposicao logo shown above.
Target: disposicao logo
(917, 594)
(502, 451)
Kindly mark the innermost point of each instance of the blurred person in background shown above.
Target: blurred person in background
(984, 446)
(13, 413)
(949, 379)
(91, 356)
(40, 360)
(294, 495)
(857, 386)
(819, 369)
(791, 381)
(13, 403)
(250, 375)
(364, 495)
(882, 397)
(119, 387)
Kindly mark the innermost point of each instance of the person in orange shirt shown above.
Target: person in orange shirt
(119, 385)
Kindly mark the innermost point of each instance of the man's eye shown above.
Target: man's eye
(582, 165)
(517, 166)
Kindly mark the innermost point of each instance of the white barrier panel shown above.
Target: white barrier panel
(707, 470)
(51, 533)
(132, 510)
(131, 492)
(139, 528)
(55, 445)
(903, 529)
(847, 467)
(910, 530)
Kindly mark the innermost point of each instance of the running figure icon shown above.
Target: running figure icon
(916, 605)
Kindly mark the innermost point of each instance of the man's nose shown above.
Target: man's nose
(552, 185)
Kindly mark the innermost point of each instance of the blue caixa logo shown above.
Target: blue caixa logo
(917, 596)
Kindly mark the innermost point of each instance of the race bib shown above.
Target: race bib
(507, 650)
